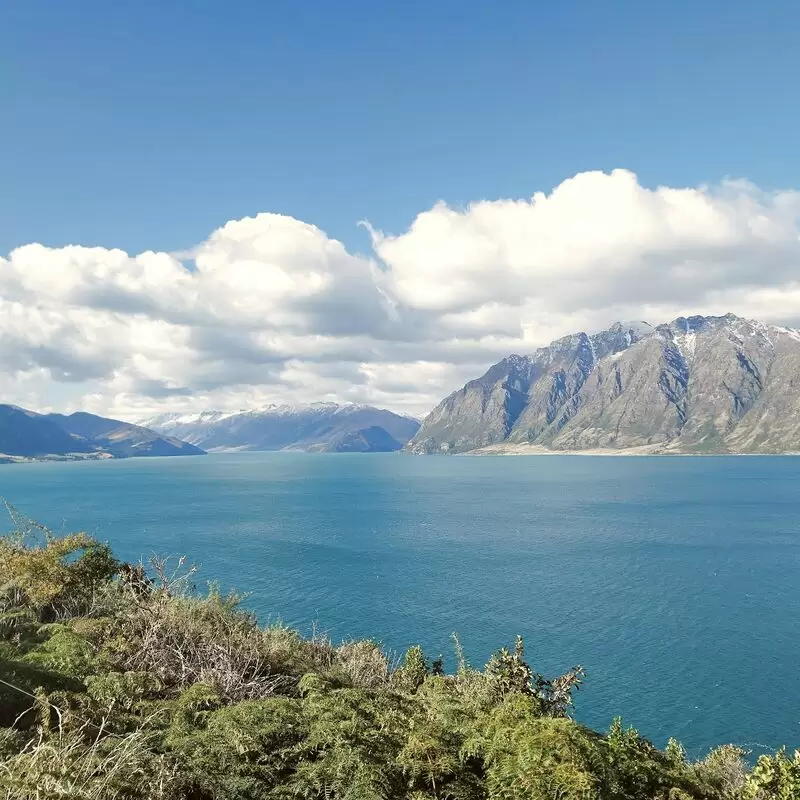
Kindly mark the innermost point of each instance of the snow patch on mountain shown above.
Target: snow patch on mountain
(322, 426)
(695, 384)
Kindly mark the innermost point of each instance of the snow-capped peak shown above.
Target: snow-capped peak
(174, 419)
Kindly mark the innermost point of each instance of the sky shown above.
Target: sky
(229, 205)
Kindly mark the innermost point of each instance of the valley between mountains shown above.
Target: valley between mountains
(319, 427)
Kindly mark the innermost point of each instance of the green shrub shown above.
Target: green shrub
(239, 752)
(775, 777)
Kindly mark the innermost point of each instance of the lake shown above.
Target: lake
(673, 581)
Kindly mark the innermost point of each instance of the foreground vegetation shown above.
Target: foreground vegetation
(121, 682)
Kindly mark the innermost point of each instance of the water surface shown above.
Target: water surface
(672, 580)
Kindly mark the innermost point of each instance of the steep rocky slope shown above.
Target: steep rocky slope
(697, 384)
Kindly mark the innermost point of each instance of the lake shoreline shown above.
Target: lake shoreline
(645, 450)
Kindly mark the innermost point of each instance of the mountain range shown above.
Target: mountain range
(27, 435)
(697, 384)
(319, 427)
(694, 385)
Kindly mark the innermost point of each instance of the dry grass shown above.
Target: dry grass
(74, 765)
(188, 640)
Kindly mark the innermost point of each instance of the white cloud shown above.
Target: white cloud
(270, 308)
(595, 239)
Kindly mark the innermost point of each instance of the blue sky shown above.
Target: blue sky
(582, 151)
(148, 124)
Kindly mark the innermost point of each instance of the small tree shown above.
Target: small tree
(414, 670)
(514, 674)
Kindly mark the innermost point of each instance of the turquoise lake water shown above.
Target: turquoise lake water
(673, 581)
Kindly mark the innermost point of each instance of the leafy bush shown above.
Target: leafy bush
(775, 777)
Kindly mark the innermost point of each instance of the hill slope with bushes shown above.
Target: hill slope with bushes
(123, 682)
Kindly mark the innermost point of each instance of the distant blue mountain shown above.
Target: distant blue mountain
(27, 435)
(319, 427)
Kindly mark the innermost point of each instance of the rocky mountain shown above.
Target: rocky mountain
(28, 435)
(319, 427)
(694, 385)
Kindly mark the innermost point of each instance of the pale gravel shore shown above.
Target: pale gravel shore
(538, 450)
(644, 450)
(5, 458)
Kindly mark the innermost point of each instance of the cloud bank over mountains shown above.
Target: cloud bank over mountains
(271, 309)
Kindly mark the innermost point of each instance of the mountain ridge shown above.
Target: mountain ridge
(696, 384)
(315, 427)
(28, 435)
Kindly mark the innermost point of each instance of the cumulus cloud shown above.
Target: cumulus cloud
(271, 309)
(596, 239)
